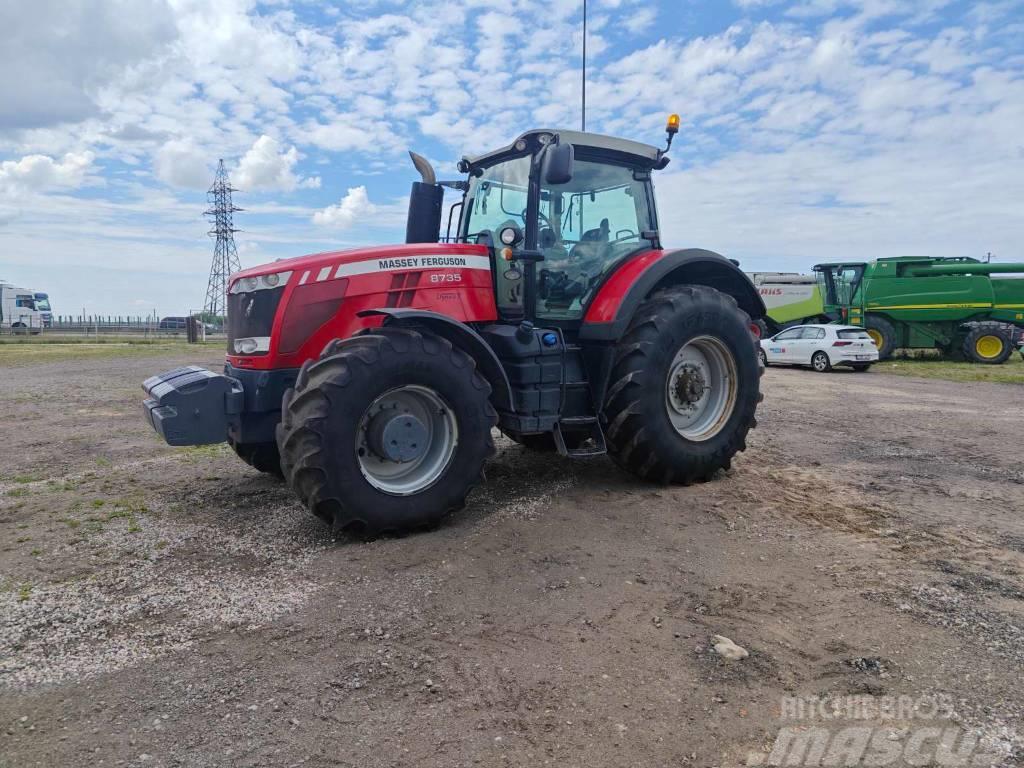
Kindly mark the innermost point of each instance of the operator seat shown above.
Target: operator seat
(591, 244)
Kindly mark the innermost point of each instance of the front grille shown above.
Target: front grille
(251, 314)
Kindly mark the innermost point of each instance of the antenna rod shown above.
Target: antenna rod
(584, 83)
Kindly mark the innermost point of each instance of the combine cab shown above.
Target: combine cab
(370, 380)
(909, 302)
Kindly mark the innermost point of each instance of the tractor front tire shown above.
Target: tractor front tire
(260, 456)
(883, 333)
(350, 452)
(684, 386)
(987, 343)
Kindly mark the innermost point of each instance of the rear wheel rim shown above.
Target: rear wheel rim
(876, 337)
(989, 346)
(820, 361)
(701, 388)
(435, 420)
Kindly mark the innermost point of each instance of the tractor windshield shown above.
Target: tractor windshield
(497, 198)
(585, 228)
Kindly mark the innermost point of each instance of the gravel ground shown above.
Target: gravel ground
(173, 607)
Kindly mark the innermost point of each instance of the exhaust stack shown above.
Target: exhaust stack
(425, 203)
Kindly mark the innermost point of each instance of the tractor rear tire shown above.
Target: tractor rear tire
(260, 456)
(987, 343)
(884, 334)
(333, 448)
(656, 425)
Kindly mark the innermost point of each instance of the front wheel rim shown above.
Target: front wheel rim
(432, 422)
(701, 388)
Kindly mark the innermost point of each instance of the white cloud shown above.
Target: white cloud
(40, 173)
(353, 207)
(268, 166)
(641, 20)
(56, 54)
(181, 163)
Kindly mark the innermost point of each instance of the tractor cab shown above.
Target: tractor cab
(840, 291)
(564, 208)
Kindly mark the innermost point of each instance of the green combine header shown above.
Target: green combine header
(909, 302)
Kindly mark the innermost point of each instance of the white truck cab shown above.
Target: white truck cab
(18, 309)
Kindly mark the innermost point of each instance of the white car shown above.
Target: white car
(821, 347)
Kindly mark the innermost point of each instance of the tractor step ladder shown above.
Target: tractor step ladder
(592, 425)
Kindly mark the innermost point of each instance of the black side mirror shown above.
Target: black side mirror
(558, 162)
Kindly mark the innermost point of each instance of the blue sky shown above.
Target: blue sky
(813, 130)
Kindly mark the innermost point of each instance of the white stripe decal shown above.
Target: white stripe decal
(416, 261)
(323, 274)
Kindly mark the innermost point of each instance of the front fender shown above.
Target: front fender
(612, 308)
(462, 336)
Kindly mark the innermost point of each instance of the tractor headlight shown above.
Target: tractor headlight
(510, 235)
(260, 283)
(250, 346)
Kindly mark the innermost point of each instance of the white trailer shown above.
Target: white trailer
(18, 311)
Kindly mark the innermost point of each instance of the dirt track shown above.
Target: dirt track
(166, 607)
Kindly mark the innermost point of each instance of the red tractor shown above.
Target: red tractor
(371, 379)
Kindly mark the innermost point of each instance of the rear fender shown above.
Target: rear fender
(463, 337)
(610, 312)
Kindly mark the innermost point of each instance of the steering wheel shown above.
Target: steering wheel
(543, 217)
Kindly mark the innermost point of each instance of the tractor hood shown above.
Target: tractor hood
(331, 264)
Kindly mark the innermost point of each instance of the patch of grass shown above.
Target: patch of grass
(1010, 372)
(24, 592)
(18, 492)
(196, 453)
(61, 485)
(102, 461)
(97, 503)
(30, 478)
(22, 539)
(34, 352)
(36, 552)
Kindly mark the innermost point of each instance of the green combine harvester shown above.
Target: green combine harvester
(913, 302)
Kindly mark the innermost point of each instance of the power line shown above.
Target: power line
(225, 255)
